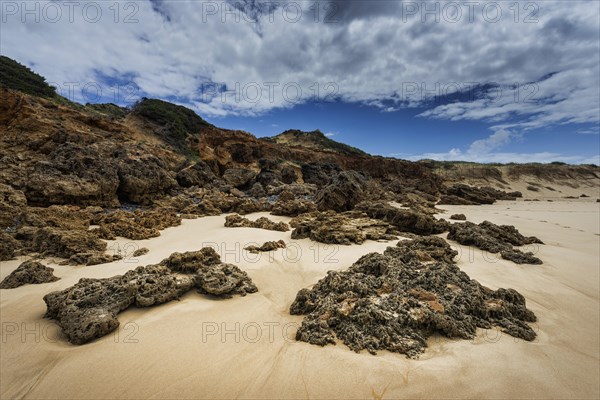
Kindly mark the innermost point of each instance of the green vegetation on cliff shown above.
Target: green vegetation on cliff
(18, 77)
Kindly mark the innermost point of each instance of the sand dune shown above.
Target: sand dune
(244, 348)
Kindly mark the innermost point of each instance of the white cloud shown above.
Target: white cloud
(330, 134)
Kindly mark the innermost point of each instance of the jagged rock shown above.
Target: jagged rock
(267, 246)
(28, 272)
(404, 220)
(142, 179)
(495, 239)
(394, 302)
(93, 258)
(136, 225)
(50, 241)
(425, 248)
(458, 217)
(319, 173)
(461, 194)
(237, 221)
(9, 246)
(73, 174)
(88, 310)
(12, 207)
(297, 189)
(288, 205)
(288, 175)
(342, 193)
(239, 177)
(141, 252)
(519, 257)
(257, 190)
(340, 228)
(198, 174)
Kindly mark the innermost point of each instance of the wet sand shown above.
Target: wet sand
(243, 347)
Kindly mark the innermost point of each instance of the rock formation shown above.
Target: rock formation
(495, 239)
(340, 228)
(403, 220)
(458, 217)
(267, 246)
(237, 221)
(394, 302)
(88, 310)
(29, 272)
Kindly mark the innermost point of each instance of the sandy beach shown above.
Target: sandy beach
(244, 348)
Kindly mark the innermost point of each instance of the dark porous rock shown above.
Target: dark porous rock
(458, 217)
(319, 173)
(88, 310)
(257, 191)
(584, 195)
(289, 175)
(93, 258)
(519, 257)
(73, 174)
(342, 193)
(424, 248)
(136, 225)
(198, 174)
(404, 220)
(394, 302)
(140, 252)
(495, 239)
(239, 177)
(50, 241)
(461, 194)
(340, 228)
(9, 246)
(28, 272)
(288, 205)
(143, 179)
(267, 246)
(237, 221)
(12, 207)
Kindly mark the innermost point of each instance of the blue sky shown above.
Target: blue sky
(492, 82)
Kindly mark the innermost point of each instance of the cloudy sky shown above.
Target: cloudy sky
(481, 81)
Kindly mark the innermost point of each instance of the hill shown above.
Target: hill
(314, 140)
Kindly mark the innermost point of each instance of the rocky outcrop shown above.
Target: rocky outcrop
(461, 194)
(88, 310)
(198, 174)
(144, 178)
(93, 258)
(340, 228)
(458, 217)
(239, 177)
(319, 173)
(237, 221)
(140, 252)
(342, 193)
(403, 220)
(12, 207)
(425, 248)
(9, 246)
(29, 272)
(267, 246)
(495, 239)
(57, 242)
(136, 225)
(394, 302)
(288, 205)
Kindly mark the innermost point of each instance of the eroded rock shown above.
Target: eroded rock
(29, 272)
(237, 221)
(340, 228)
(267, 246)
(88, 310)
(394, 302)
(495, 239)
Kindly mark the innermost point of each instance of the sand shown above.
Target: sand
(244, 348)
